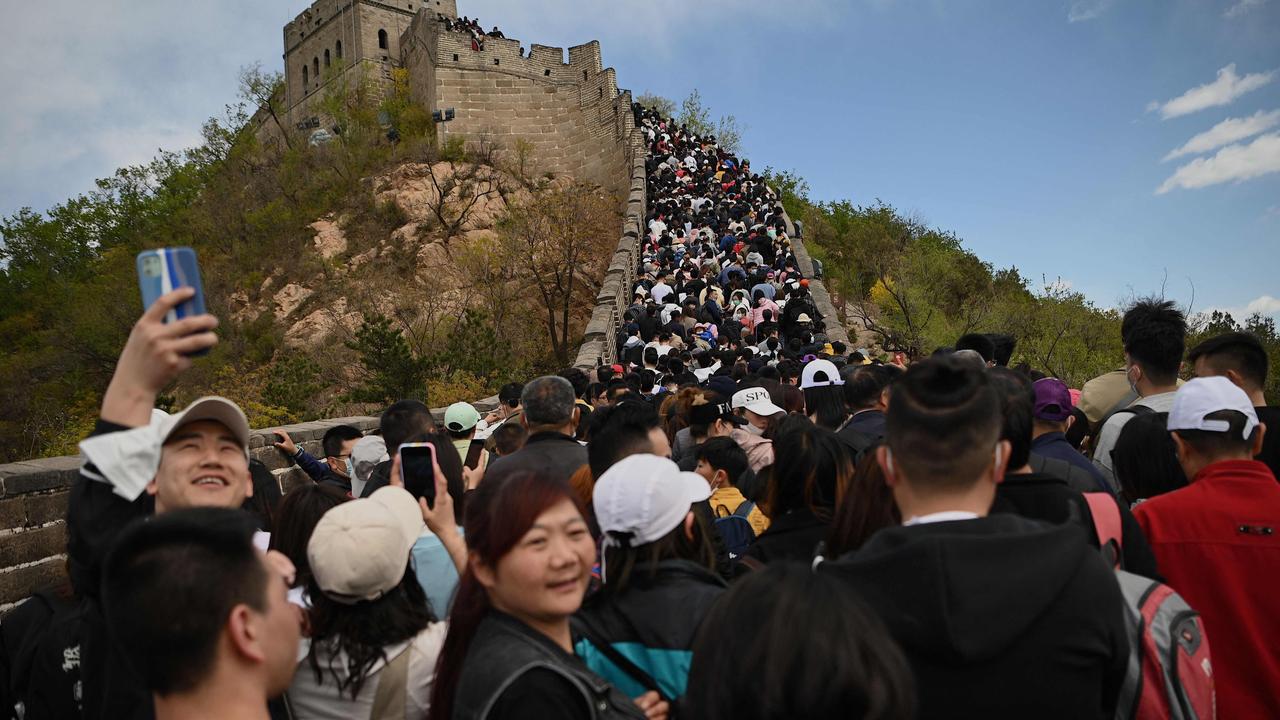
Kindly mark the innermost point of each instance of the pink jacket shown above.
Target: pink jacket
(759, 450)
(757, 314)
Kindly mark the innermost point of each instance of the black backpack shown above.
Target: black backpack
(41, 657)
(735, 529)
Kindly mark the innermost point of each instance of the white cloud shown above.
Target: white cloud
(1264, 305)
(1227, 87)
(1227, 132)
(1241, 7)
(115, 82)
(1085, 10)
(1232, 163)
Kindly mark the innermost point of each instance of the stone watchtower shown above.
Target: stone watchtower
(346, 35)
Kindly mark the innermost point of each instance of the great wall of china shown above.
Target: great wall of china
(572, 117)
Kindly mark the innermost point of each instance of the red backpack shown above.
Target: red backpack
(1169, 674)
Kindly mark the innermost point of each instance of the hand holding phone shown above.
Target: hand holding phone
(154, 356)
(417, 470)
(167, 269)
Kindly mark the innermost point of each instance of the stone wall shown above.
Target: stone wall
(570, 116)
(821, 298)
(334, 34)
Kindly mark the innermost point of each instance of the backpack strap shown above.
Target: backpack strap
(393, 683)
(623, 663)
(1106, 523)
(744, 510)
(1120, 404)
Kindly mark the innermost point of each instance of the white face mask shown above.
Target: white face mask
(351, 469)
(753, 429)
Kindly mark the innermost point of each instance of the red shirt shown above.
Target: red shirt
(1217, 542)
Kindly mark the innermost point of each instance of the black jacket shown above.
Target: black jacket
(1000, 617)
(1044, 497)
(793, 536)
(867, 422)
(95, 517)
(656, 618)
(506, 656)
(552, 454)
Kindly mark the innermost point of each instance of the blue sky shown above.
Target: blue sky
(1036, 130)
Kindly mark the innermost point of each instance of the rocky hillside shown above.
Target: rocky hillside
(447, 214)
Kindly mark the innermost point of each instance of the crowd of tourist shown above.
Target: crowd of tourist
(470, 26)
(739, 519)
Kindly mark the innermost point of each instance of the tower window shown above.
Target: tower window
(382, 39)
(326, 57)
(315, 67)
(304, 78)
(339, 49)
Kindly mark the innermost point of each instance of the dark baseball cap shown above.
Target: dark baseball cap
(1053, 400)
(717, 409)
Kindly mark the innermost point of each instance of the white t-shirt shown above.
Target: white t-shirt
(321, 700)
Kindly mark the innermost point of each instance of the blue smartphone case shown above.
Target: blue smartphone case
(167, 269)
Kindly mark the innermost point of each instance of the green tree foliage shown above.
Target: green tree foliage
(389, 368)
(293, 383)
(1217, 322)
(469, 359)
(696, 116)
(915, 288)
(664, 106)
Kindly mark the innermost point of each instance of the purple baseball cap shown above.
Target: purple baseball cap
(1053, 400)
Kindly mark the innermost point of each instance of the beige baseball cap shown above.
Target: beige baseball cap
(212, 407)
(360, 549)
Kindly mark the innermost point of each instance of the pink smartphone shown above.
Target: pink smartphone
(417, 470)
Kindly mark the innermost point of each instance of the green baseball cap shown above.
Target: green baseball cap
(461, 417)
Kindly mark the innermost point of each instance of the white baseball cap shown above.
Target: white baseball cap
(360, 549)
(820, 373)
(756, 400)
(646, 496)
(1204, 396)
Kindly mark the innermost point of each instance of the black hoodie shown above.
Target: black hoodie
(999, 616)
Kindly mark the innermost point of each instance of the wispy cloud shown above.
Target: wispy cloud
(1241, 7)
(1227, 132)
(1085, 10)
(1227, 87)
(1234, 163)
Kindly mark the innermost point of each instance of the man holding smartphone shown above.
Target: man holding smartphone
(136, 466)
